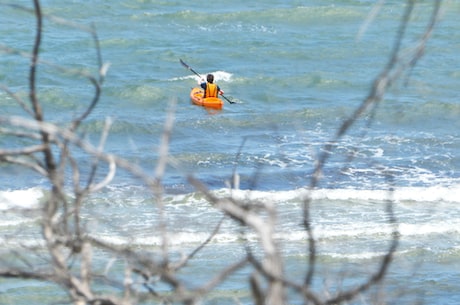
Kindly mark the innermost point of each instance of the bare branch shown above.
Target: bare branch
(71, 247)
(27, 164)
(22, 151)
(395, 67)
(265, 231)
(16, 98)
(186, 259)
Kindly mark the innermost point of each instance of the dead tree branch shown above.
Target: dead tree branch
(398, 64)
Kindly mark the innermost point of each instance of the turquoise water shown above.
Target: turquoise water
(296, 70)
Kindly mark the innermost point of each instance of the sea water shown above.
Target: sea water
(296, 70)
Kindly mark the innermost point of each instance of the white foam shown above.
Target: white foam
(222, 76)
(417, 194)
(23, 199)
(360, 255)
(174, 238)
(423, 229)
(218, 76)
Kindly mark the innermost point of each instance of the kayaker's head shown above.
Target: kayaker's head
(210, 78)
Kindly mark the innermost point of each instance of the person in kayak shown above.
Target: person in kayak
(210, 89)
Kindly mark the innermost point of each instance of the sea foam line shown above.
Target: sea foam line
(23, 199)
(416, 194)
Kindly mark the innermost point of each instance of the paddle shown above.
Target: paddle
(197, 74)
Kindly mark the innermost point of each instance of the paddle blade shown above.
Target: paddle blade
(188, 67)
(231, 102)
(184, 64)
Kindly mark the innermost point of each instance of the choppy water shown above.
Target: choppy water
(296, 69)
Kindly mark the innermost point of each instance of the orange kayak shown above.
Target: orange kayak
(196, 95)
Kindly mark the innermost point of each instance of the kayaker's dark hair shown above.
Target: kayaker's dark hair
(210, 78)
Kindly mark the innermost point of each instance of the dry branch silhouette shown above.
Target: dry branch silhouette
(70, 247)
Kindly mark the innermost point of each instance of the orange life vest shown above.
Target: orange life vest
(211, 90)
